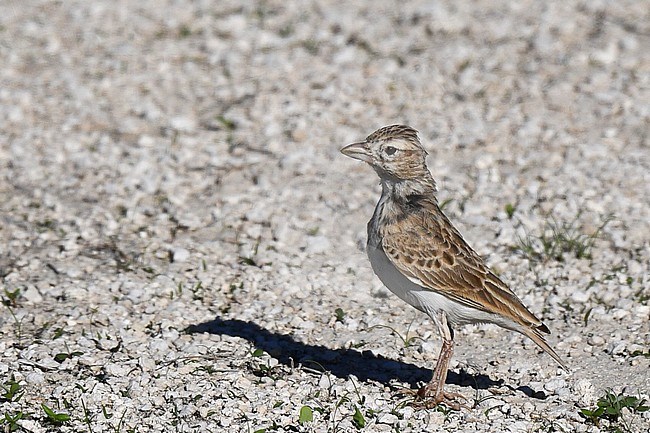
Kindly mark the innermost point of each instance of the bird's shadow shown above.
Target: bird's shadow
(342, 363)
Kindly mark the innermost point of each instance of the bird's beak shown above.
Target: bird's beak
(358, 151)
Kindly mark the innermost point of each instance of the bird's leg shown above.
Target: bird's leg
(433, 393)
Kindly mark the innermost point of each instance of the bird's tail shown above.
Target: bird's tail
(535, 335)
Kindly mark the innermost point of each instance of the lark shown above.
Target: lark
(421, 257)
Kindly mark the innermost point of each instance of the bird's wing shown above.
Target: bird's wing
(429, 250)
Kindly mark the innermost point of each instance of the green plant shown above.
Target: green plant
(198, 291)
(177, 293)
(610, 407)
(60, 357)
(640, 353)
(585, 319)
(311, 46)
(306, 415)
(227, 124)
(643, 295)
(250, 260)
(406, 339)
(286, 31)
(58, 332)
(263, 366)
(510, 210)
(358, 419)
(10, 422)
(446, 411)
(55, 417)
(559, 238)
(184, 31)
(343, 400)
(10, 300)
(335, 409)
(549, 426)
(359, 410)
(340, 315)
(11, 390)
(87, 416)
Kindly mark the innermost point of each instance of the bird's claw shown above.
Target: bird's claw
(428, 398)
(452, 400)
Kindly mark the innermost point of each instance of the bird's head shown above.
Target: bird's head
(394, 151)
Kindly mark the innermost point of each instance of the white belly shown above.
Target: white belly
(426, 300)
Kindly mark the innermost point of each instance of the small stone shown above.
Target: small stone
(616, 347)
(595, 340)
(32, 295)
(325, 381)
(585, 390)
(158, 345)
(554, 384)
(135, 295)
(31, 426)
(74, 273)
(387, 418)
(580, 296)
(618, 314)
(180, 255)
(430, 347)
(146, 363)
(643, 311)
(299, 135)
(146, 141)
(317, 244)
(437, 418)
(184, 124)
(118, 370)
(35, 378)
(635, 348)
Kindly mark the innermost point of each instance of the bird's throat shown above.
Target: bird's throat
(406, 190)
(399, 198)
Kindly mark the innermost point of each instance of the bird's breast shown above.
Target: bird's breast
(392, 278)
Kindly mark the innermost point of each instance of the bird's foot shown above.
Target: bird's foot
(428, 397)
(427, 400)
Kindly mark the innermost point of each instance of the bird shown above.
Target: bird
(422, 258)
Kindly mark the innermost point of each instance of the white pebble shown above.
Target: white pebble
(554, 384)
(35, 378)
(317, 244)
(32, 295)
(180, 255)
(596, 340)
(185, 124)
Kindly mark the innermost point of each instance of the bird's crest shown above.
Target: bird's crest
(395, 132)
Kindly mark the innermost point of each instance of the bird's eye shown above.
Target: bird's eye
(390, 150)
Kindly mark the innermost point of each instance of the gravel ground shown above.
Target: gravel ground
(181, 244)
